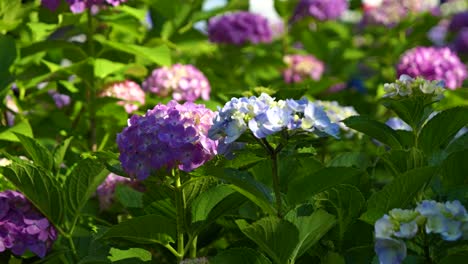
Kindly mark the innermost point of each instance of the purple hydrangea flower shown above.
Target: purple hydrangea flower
(166, 137)
(264, 116)
(105, 191)
(23, 227)
(61, 100)
(79, 6)
(460, 44)
(320, 9)
(129, 92)
(239, 28)
(302, 67)
(184, 82)
(433, 64)
(458, 22)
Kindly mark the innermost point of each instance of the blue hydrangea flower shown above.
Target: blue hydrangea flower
(398, 124)
(390, 251)
(264, 116)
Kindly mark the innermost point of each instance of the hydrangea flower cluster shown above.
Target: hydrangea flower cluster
(239, 28)
(459, 26)
(265, 116)
(302, 67)
(184, 82)
(433, 64)
(79, 6)
(391, 12)
(61, 100)
(320, 9)
(166, 137)
(407, 86)
(129, 92)
(23, 227)
(105, 191)
(449, 220)
(338, 113)
(458, 22)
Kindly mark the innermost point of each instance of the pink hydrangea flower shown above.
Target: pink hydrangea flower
(183, 82)
(129, 92)
(302, 67)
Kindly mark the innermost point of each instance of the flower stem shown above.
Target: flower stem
(91, 96)
(273, 152)
(276, 183)
(180, 211)
(72, 246)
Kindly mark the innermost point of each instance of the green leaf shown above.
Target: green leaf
(39, 186)
(346, 202)
(203, 204)
(103, 67)
(397, 194)
(7, 57)
(81, 184)
(374, 129)
(458, 144)
(240, 255)
(128, 197)
(333, 258)
(453, 170)
(351, 159)
(196, 186)
(139, 253)
(159, 55)
(60, 151)
(306, 186)
(23, 127)
(458, 257)
(312, 226)
(38, 153)
(243, 183)
(410, 110)
(276, 237)
(146, 229)
(440, 130)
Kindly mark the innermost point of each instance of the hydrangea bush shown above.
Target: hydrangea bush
(275, 132)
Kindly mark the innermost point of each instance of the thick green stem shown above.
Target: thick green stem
(180, 211)
(91, 96)
(193, 247)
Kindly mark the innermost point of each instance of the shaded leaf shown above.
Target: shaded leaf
(440, 130)
(39, 186)
(374, 129)
(303, 188)
(81, 184)
(38, 153)
(276, 237)
(146, 229)
(312, 226)
(240, 255)
(397, 194)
